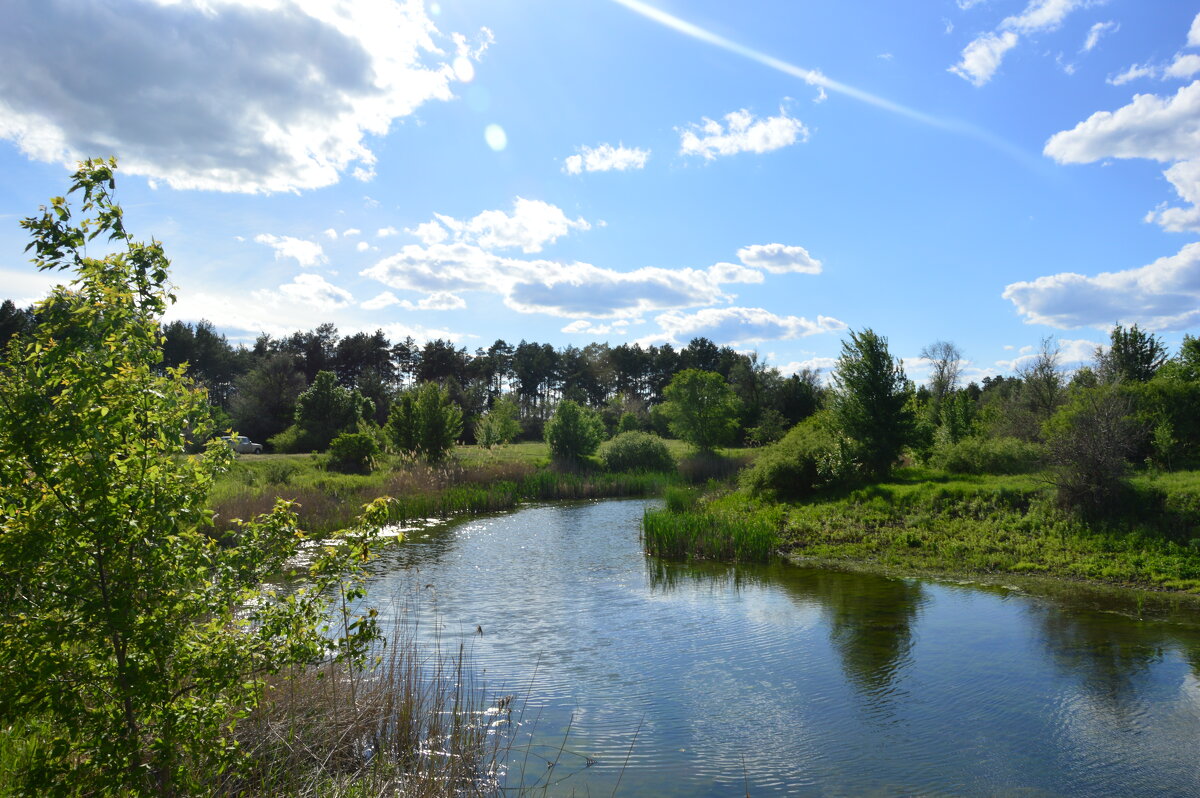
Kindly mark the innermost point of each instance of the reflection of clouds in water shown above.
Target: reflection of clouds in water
(735, 722)
(1147, 729)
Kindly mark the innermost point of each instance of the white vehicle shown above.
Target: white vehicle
(242, 445)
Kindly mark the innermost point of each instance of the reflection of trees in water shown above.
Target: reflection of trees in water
(1108, 653)
(870, 617)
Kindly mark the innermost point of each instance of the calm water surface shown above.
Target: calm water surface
(685, 680)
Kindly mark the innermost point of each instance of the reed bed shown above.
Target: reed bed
(706, 535)
(328, 502)
(415, 725)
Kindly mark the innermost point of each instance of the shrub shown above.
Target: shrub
(977, 455)
(574, 432)
(353, 453)
(637, 451)
(424, 421)
(811, 456)
(500, 425)
(1090, 439)
(628, 423)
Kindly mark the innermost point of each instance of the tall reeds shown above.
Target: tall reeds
(706, 535)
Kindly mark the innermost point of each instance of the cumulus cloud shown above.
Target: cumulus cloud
(1097, 32)
(531, 226)
(219, 95)
(386, 232)
(1163, 295)
(439, 300)
(584, 327)
(1164, 129)
(1072, 353)
(308, 289)
(1193, 38)
(1135, 72)
(741, 326)
(779, 259)
(572, 290)
(351, 232)
(306, 253)
(380, 301)
(605, 158)
(1184, 66)
(981, 58)
(741, 132)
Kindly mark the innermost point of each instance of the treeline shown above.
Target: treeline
(1134, 405)
(256, 389)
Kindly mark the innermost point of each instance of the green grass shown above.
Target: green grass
(473, 482)
(931, 522)
(927, 521)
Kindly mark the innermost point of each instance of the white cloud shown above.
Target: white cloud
(981, 58)
(779, 259)
(306, 253)
(734, 273)
(363, 246)
(583, 327)
(420, 333)
(1042, 15)
(219, 95)
(386, 232)
(26, 286)
(308, 289)
(438, 300)
(531, 226)
(429, 233)
(741, 326)
(350, 232)
(741, 132)
(1097, 32)
(1165, 129)
(1163, 295)
(1072, 353)
(380, 301)
(331, 234)
(1193, 39)
(605, 158)
(1135, 72)
(571, 290)
(1184, 66)
(966, 4)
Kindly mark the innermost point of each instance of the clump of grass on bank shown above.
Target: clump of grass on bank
(686, 530)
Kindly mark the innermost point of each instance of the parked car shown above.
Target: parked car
(242, 445)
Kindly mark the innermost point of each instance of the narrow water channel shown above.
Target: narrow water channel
(714, 680)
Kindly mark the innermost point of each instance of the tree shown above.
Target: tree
(264, 398)
(945, 364)
(425, 422)
(499, 426)
(326, 409)
(869, 402)
(1090, 440)
(701, 408)
(125, 630)
(574, 431)
(1133, 355)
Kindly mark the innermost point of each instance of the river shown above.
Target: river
(665, 679)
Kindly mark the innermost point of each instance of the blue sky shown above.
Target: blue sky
(766, 174)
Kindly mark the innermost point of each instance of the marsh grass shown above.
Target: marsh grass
(415, 725)
(931, 522)
(706, 534)
(328, 501)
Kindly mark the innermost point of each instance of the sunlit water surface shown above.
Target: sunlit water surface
(669, 679)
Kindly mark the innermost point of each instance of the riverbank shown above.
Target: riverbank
(472, 481)
(924, 522)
